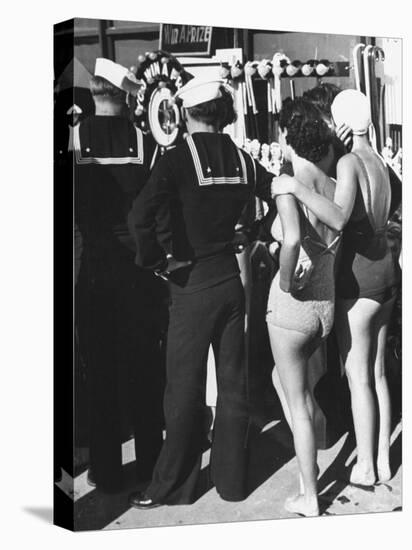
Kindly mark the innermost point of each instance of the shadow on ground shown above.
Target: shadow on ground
(97, 509)
(42, 513)
(335, 479)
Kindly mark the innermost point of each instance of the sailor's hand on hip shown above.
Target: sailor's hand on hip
(172, 265)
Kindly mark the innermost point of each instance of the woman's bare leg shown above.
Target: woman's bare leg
(285, 407)
(309, 350)
(354, 328)
(281, 394)
(288, 347)
(382, 391)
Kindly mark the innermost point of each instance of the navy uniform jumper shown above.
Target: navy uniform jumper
(189, 208)
(118, 304)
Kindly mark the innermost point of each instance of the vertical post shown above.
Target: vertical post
(292, 88)
(236, 38)
(106, 41)
(110, 42)
(102, 38)
(247, 44)
(384, 127)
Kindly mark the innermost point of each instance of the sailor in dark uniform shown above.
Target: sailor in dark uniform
(187, 213)
(70, 105)
(118, 304)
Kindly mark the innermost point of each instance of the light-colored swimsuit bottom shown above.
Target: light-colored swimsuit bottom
(310, 310)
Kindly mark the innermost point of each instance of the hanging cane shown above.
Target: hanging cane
(356, 50)
(366, 71)
(374, 97)
(254, 108)
(367, 74)
(377, 54)
(279, 63)
(264, 69)
(248, 102)
(250, 70)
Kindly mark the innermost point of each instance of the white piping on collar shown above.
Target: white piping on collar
(215, 180)
(107, 160)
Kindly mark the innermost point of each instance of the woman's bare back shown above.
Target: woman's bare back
(325, 186)
(372, 173)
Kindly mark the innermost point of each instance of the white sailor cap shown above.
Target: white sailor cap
(351, 107)
(118, 75)
(198, 91)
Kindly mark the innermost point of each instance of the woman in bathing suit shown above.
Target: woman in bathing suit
(301, 300)
(367, 280)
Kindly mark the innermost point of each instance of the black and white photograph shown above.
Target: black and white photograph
(230, 256)
(149, 400)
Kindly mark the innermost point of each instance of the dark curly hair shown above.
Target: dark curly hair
(322, 96)
(307, 132)
(285, 113)
(218, 112)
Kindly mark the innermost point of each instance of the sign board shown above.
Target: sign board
(186, 39)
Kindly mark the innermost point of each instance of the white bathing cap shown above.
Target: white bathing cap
(352, 108)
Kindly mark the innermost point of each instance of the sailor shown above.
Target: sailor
(119, 305)
(184, 221)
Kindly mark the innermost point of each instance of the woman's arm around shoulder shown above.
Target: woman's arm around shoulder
(335, 214)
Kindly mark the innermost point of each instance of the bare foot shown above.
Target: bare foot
(361, 476)
(302, 505)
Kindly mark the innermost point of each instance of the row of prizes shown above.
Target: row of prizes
(242, 76)
(271, 71)
(239, 77)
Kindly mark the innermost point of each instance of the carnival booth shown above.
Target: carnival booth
(260, 68)
(283, 65)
